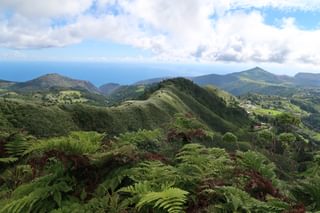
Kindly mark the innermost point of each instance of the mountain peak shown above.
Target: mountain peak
(55, 80)
(257, 70)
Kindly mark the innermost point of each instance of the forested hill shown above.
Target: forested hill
(161, 102)
(49, 81)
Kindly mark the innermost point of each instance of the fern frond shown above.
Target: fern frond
(198, 161)
(17, 147)
(8, 160)
(138, 188)
(155, 172)
(170, 199)
(112, 181)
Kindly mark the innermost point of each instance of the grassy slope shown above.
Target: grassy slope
(159, 108)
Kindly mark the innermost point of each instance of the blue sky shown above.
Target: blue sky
(281, 36)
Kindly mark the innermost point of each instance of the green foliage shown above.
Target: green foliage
(230, 141)
(17, 144)
(154, 172)
(168, 198)
(8, 160)
(286, 121)
(229, 138)
(41, 195)
(198, 162)
(255, 161)
(184, 122)
(137, 169)
(36, 119)
(287, 138)
(308, 192)
(236, 200)
(13, 177)
(143, 139)
(75, 143)
(266, 138)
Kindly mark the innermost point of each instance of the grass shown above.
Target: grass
(271, 112)
(140, 89)
(65, 97)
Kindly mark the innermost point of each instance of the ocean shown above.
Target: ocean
(101, 73)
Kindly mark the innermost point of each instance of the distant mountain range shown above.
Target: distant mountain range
(255, 80)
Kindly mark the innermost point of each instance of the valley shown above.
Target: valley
(241, 142)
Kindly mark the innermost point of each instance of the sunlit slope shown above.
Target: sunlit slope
(160, 105)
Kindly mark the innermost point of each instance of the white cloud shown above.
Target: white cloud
(172, 30)
(45, 8)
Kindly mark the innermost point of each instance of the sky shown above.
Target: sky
(281, 36)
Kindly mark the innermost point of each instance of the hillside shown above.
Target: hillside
(151, 81)
(161, 103)
(178, 148)
(253, 80)
(107, 89)
(125, 93)
(5, 84)
(307, 79)
(49, 81)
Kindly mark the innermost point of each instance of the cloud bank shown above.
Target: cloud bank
(179, 30)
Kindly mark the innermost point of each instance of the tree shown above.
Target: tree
(266, 139)
(285, 122)
(287, 138)
(230, 141)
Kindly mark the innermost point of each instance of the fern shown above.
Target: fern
(18, 145)
(76, 143)
(169, 198)
(197, 162)
(12, 177)
(8, 160)
(236, 200)
(111, 203)
(155, 172)
(258, 162)
(112, 181)
(308, 192)
(42, 195)
(148, 140)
